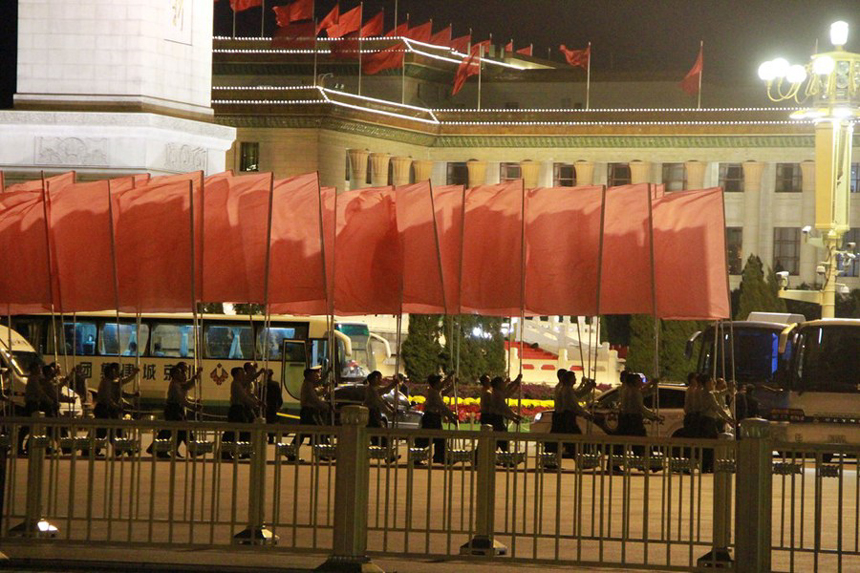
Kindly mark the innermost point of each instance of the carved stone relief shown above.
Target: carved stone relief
(72, 151)
(184, 158)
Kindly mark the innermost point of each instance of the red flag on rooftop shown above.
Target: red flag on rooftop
(527, 51)
(462, 43)
(240, 5)
(576, 58)
(300, 35)
(301, 10)
(347, 22)
(692, 81)
(470, 65)
(421, 33)
(386, 59)
(282, 15)
(399, 30)
(330, 19)
(373, 27)
(442, 37)
(509, 47)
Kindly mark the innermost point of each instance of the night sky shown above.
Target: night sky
(657, 37)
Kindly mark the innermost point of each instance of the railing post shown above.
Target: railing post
(352, 483)
(484, 542)
(256, 533)
(34, 525)
(753, 498)
(719, 557)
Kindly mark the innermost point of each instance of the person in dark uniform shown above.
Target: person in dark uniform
(109, 397)
(242, 406)
(435, 410)
(500, 410)
(313, 407)
(555, 425)
(274, 400)
(632, 410)
(376, 404)
(35, 400)
(176, 404)
(486, 399)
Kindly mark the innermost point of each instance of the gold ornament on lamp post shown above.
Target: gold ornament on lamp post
(830, 82)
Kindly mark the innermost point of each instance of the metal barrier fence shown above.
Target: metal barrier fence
(355, 492)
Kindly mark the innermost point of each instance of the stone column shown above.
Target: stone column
(529, 170)
(477, 172)
(695, 174)
(423, 169)
(752, 200)
(584, 172)
(809, 255)
(400, 167)
(640, 171)
(357, 168)
(379, 169)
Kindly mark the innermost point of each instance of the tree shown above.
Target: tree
(756, 293)
(249, 308)
(615, 329)
(210, 307)
(673, 340)
(640, 356)
(421, 349)
(480, 344)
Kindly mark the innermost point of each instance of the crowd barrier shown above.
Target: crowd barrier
(354, 493)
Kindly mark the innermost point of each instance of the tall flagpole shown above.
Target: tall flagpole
(234, 23)
(588, 80)
(403, 71)
(268, 318)
(360, 38)
(654, 305)
(315, 52)
(701, 71)
(522, 300)
(262, 18)
(480, 65)
(50, 268)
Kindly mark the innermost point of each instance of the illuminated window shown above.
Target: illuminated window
(674, 176)
(618, 174)
(788, 178)
(509, 172)
(563, 175)
(734, 249)
(249, 156)
(786, 249)
(851, 268)
(732, 177)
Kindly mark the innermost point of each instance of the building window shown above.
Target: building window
(855, 178)
(732, 177)
(788, 178)
(509, 172)
(563, 175)
(674, 176)
(618, 174)
(851, 268)
(734, 249)
(786, 249)
(458, 173)
(249, 156)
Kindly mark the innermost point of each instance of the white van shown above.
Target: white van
(14, 366)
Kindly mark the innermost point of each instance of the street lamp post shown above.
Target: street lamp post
(831, 82)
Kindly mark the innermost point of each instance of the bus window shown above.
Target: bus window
(129, 340)
(228, 341)
(173, 340)
(81, 336)
(275, 337)
(827, 359)
(293, 366)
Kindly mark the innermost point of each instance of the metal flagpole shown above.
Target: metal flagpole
(137, 367)
(115, 271)
(522, 298)
(48, 257)
(332, 352)
(195, 327)
(701, 71)
(588, 80)
(234, 24)
(315, 52)
(268, 318)
(9, 349)
(481, 65)
(262, 18)
(360, 38)
(654, 305)
(403, 70)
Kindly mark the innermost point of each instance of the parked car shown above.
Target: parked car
(606, 412)
(352, 394)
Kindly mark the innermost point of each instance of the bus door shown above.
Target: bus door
(294, 360)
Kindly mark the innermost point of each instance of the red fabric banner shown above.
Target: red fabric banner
(462, 44)
(297, 244)
(509, 47)
(24, 285)
(448, 201)
(240, 5)
(442, 37)
(373, 27)
(330, 19)
(625, 282)
(295, 12)
(55, 182)
(347, 22)
(234, 237)
(421, 33)
(367, 253)
(423, 287)
(562, 250)
(301, 35)
(470, 66)
(690, 83)
(527, 51)
(576, 58)
(387, 59)
(492, 250)
(399, 30)
(152, 233)
(690, 255)
(81, 244)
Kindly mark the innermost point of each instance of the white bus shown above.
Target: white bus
(93, 340)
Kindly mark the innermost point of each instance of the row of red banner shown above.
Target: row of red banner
(144, 244)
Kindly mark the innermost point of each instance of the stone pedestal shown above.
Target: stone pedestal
(423, 169)
(357, 168)
(379, 169)
(400, 170)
